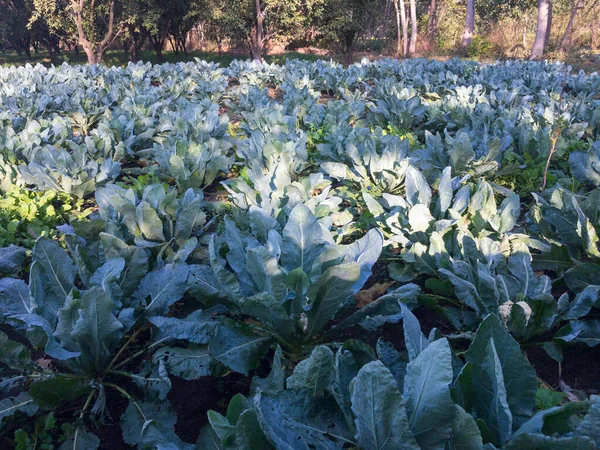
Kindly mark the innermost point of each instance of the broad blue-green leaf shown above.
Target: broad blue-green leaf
(590, 425)
(160, 289)
(202, 283)
(557, 420)
(365, 252)
(13, 353)
(265, 272)
(190, 218)
(208, 439)
(417, 188)
(430, 408)
(223, 428)
(51, 278)
(250, 436)
(14, 298)
(296, 420)
(519, 377)
(381, 420)
(227, 282)
(154, 380)
(275, 381)
(414, 339)
(198, 327)
(52, 348)
(315, 373)
(542, 442)
(384, 309)
(584, 301)
(329, 293)
(583, 331)
(11, 258)
(491, 402)
(96, 330)
(47, 392)
(107, 276)
(465, 433)
(150, 425)
(136, 262)
(302, 240)
(188, 363)
(22, 402)
(237, 347)
(81, 440)
(392, 359)
(150, 225)
(346, 368)
(269, 312)
(445, 190)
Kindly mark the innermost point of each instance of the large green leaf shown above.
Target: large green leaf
(49, 391)
(13, 353)
(491, 402)
(51, 278)
(430, 408)
(465, 433)
(188, 363)
(519, 377)
(81, 440)
(328, 294)
(296, 420)
(11, 258)
(316, 373)
(381, 420)
(149, 425)
(21, 403)
(14, 298)
(302, 240)
(590, 425)
(580, 331)
(414, 339)
(198, 327)
(542, 442)
(237, 347)
(160, 289)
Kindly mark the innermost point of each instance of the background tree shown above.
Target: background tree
(414, 27)
(431, 18)
(345, 21)
(13, 25)
(577, 5)
(402, 25)
(467, 36)
(544, 24)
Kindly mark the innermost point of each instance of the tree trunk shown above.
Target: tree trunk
(467, 36)
(52, 53)
(158, 48)
(404, 21)
(256, 41)
(133, 48)
(386, 19)
(566, 40)
(431, 19)
(94, 52)
(595, 33)
(398, 30)
(415, 27)
(543, 28)
(550, 17)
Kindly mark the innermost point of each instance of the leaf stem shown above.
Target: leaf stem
(122, 349)
(135, 355)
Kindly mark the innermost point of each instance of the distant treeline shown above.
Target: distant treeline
(485, 28)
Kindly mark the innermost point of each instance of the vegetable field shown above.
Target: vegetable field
(393, 255)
